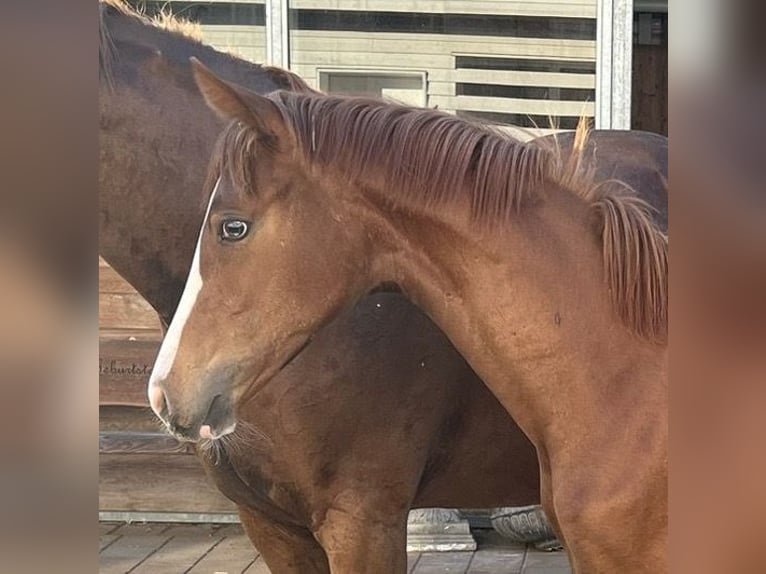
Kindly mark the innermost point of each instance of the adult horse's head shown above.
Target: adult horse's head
(150, 163)
(246, 310)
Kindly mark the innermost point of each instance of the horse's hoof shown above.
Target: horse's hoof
(550, 545)
(525, 524)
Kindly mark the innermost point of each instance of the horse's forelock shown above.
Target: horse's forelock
(234, 157)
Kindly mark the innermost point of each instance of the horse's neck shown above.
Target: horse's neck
(152, 172)
(525, 304)
(153, 165)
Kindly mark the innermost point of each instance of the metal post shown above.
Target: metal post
(277, 34)
(614, 64)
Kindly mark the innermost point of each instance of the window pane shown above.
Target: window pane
(404, 87)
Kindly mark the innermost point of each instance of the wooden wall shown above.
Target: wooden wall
(141, 468)
(247, 42)
(435, 55)
(129, 337)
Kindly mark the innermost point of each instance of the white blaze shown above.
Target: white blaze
(172, 339)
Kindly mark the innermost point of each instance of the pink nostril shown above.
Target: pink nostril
(156, 399)
(205, 432)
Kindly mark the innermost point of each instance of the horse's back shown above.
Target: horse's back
(637, 158)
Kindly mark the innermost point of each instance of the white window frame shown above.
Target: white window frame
(277, 34)
(423, 75)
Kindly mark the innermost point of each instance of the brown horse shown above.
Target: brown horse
(380, 413)
(553, 287)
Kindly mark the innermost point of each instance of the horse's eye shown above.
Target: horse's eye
(234, 229)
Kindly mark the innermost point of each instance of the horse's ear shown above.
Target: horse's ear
(233, 102)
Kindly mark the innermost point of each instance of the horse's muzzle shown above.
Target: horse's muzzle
(217, 421)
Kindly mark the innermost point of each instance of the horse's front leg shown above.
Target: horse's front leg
(286, 550)
(362, 542)
(624, 531)
(546, 495)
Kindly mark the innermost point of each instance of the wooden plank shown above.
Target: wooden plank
(235, 553)
(126, 311)
(309, 42)
(116, 418)
(434, 40)
(397, 61)
(244, 29)
(124, 369)
(108, 527)
(141, 443)
(514, 105)
(130, 335)
(130, 393)
(498, 560)
(122, 309)
(510, 78)
(109, 281)
(250, 41)
(571, 8)
(540, 562)
(258, 567)
(412, 561)
(157, 483)
(443, 563)
(132, 548)
(185, 547)
(106, 540)
(441, 88)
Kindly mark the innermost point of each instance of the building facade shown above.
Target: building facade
(530, 63)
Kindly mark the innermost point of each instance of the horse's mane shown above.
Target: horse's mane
(105, 45)
(165, 19)
(429, 158)
(635, 247)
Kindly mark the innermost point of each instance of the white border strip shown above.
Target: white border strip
(129, 517)
(614, 64)
(277, 34)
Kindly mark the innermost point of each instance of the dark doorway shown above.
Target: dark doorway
(649, 109)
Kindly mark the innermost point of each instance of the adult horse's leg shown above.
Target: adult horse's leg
(618, 532)
(363, 542)
(286, 550)
(546, 496)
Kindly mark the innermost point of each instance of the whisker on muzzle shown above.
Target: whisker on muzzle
(246, 438)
